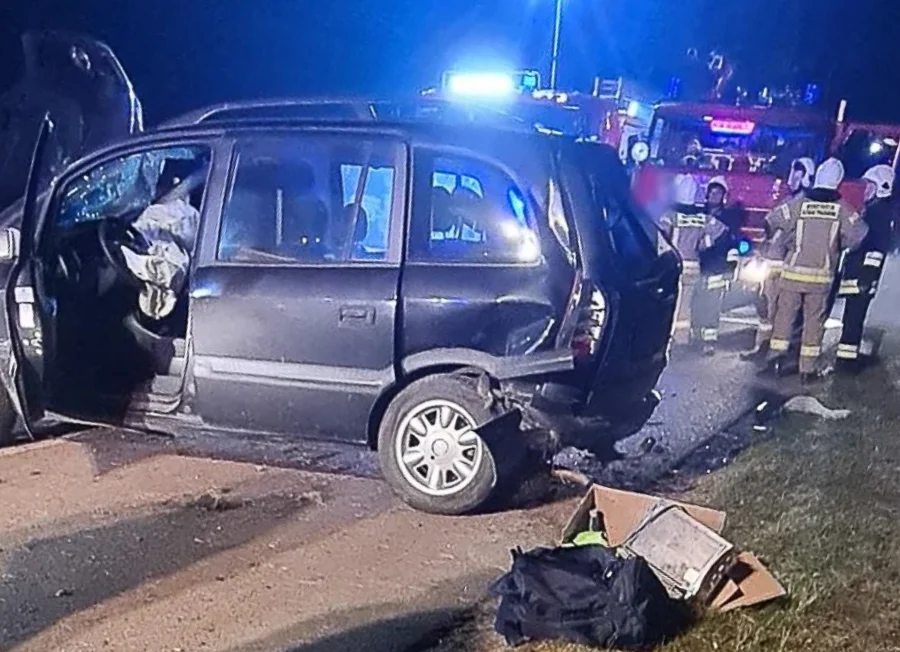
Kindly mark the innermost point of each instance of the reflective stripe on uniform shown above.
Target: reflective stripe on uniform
(847, 351)
(873, 259)
(681, 325)
(709, 334)
(810, 351)
(765, 328)
(690, 221)
(715, 282)
(849, 287)
(691, 264)
(806, 275)
(778, 344)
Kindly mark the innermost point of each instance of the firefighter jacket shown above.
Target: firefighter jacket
(722, 256)
(691, 231)
(816, 228)
(862, 268)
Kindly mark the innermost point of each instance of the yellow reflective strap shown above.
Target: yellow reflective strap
(873, 259)
(691, 264)
(709, 334)
(810, 351)
(849, 287)
(715, 282)
(848, 351)
(765, 328)
(778, 344)
(818, 278)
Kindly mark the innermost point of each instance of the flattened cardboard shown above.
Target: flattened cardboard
(624, 511)
(749, 582)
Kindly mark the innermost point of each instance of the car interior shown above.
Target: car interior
(100, 319)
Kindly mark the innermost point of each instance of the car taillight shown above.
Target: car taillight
(591, 320)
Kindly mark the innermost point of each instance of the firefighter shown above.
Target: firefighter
(773, 252)
(816, 228)
(862, 268)
(690, 231)
(716, 264)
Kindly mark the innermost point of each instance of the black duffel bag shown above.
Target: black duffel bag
(586, 595)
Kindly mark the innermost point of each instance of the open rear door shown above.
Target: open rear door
(30, 320)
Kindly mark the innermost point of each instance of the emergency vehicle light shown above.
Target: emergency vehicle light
(491, 84)
(734, 127)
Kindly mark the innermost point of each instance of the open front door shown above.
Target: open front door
(29, 320)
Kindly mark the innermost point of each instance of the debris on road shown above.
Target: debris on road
(810, 405)
(631, 572)
(585, 594)
(217, 501)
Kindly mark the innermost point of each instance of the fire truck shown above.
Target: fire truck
(753, 148)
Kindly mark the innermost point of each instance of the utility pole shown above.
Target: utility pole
(554, 61)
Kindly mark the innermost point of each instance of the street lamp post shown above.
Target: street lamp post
(554, 61)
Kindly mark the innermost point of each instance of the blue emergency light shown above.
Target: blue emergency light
(744, 247)
(490, 84)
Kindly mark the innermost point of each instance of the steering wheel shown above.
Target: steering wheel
(118, 232)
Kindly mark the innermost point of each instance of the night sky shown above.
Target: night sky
(185, 53)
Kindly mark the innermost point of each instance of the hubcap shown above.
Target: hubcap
(437, 448)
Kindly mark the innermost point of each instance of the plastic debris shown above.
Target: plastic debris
(810, 405)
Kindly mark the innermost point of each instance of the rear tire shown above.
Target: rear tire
(7, 419)
(427, 451)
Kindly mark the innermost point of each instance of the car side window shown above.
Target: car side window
(310, 200)
(469, 211)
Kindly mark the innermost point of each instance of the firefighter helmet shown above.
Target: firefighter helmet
(829, 175)
(718, 181)
(882, 177)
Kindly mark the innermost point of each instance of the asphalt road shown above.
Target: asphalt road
(116, 541)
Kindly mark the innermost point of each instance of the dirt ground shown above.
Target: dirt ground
(123, 548)
(819, 501)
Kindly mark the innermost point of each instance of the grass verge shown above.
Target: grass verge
(820, 503)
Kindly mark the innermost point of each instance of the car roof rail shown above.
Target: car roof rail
(309, 108)
(416, 109)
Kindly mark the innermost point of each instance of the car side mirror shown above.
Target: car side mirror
(10, 239)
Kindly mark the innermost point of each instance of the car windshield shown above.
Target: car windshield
(733, 145)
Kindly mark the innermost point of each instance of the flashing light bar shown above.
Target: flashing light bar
(490, 84)
(732, 127)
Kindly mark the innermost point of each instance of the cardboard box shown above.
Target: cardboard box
(683, 545)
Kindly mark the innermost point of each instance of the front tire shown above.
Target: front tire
(428, 450)
(7, 419)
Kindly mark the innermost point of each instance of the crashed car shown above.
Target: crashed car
(397, 283)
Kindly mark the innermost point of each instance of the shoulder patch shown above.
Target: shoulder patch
(820, 210)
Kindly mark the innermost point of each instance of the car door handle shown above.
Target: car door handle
(357, 315)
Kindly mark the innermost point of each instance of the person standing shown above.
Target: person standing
(862, 268)
(715, 265)
(773, 251)
(691, 232)
(816, 228)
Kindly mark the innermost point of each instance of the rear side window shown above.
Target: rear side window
(304, 199)
(632, 233)
(469, 211)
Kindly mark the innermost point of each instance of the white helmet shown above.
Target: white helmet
(802, 171)
(829, 175)
(717, 181)
(882, 177)
(686, 187)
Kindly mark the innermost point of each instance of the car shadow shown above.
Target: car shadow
(46, 580)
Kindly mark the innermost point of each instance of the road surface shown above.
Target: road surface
(114, 541)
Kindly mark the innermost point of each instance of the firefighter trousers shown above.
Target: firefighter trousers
(855, 309)
(707, 308)
(813, 305)
(681, 331)
(765, 306)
